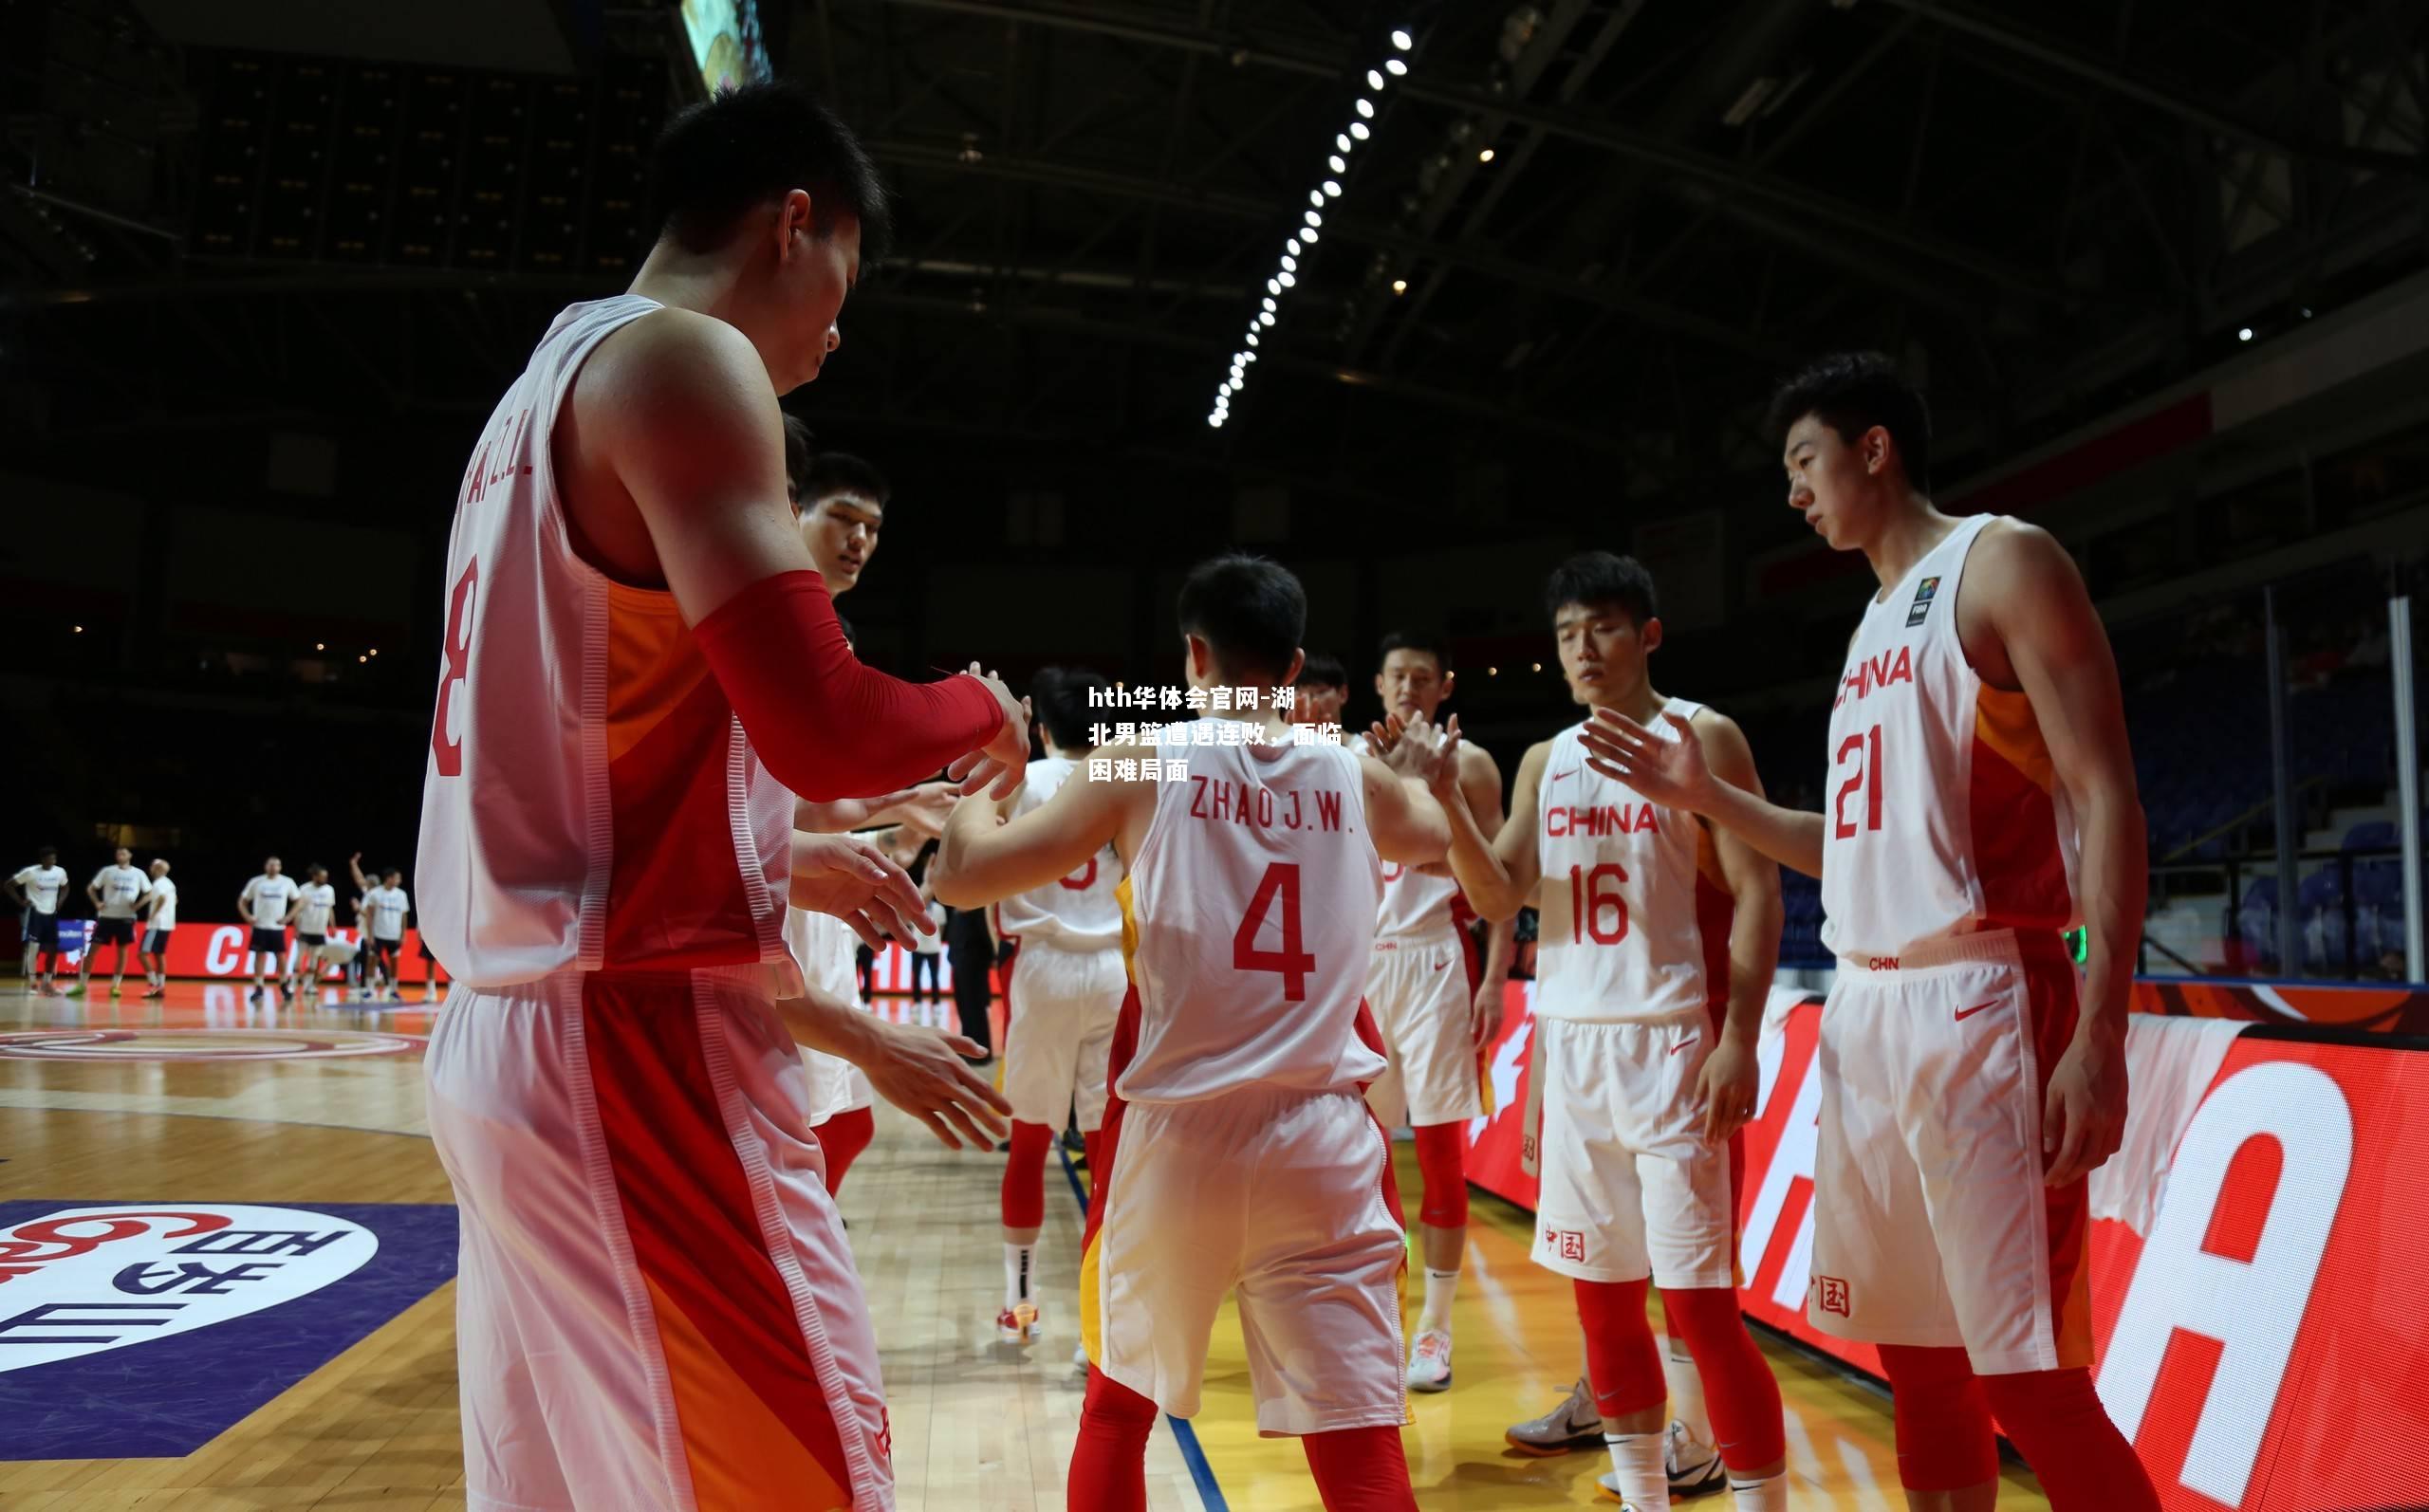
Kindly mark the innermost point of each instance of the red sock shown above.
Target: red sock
(1096, 1167)
(842, 1138)
(1109, 1458)
(1739, 1389)
(1442, 1156)
(1360, 1469)
(2057, 1423)
(1025, 1176)
(1622, 1363)
(1944, 1441)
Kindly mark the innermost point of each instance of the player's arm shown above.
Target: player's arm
(2036, 602)
(16, 894)
(1731, 1078)
(1678, 774)
(984, 858)
(920, 1071)
(1480, 791)
(691, 428)
(93, 891)
(244, 901)
(1497, 868)
(354, 864)
(1404, 817)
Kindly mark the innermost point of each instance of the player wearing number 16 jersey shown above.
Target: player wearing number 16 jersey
(1655, 955)
(1979, 749)
(1239, 1153)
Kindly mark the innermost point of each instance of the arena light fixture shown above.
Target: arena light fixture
(1306, 236)
(2244, 334)
(1400, 286)
(1485, 157)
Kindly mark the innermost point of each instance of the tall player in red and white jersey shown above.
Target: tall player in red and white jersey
(1435, 1003)
(1982, 800)
(1060, 998)
(1655, 955)
(657, 1307)
(1239, 1152)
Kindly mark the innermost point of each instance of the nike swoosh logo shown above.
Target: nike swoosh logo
(1963, 1014)
(1440, 965)
(1682, 1045)
(1557, 776)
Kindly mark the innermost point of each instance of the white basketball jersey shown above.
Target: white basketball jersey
(1416, 906)
(825, 947)
(1634, 926)
(589, 799)
(320, 901)
(1076, 912)
(1251, 920)
(1942, 815)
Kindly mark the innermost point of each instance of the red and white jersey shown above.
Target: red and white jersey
(1249, 923)
(1634, 926)
(1075, 912)
(1416, 906)
(589, 800)
(1942, 815)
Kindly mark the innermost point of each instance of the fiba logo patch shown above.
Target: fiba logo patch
(1831, 1295)
(83, 1280)
(1924, 593)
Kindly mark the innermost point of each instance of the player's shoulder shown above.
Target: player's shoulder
(2011, 549)
(1538, 756)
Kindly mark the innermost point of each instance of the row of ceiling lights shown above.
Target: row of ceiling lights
(1285, 277)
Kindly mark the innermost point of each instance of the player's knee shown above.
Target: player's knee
(1944, 1440)
(1441, 1157)
(1360, 1470)
(1622, 1362)
(1111, 1407)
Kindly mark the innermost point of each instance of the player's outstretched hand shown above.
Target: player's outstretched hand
(854, 881)
(922, 1073)
(2083, 1114)
(923, 810)
(1725, 1090)
(1671, 772)
(1004, 760)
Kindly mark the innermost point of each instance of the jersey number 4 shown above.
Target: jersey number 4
(1279, 884)
(447, 752)
(1865, 750)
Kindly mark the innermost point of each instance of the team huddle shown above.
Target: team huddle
(652, 749)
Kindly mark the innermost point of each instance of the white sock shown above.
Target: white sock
(1686, 1386)
(1759, 1496)
(1020, 1267)
(1637, 1459)
(1441, 1287)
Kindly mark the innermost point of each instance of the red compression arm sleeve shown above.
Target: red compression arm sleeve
(825, 726)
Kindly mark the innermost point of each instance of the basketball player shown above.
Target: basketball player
(264, 903)
(1322, 691)
(36, 890)
(1238, 1152)
(115, 888)
(316, 904)
(385, 911)
(1436, 1007)
(159, 922)
(1978, 748)
(1060, 998)
(641, 671)
(1657, 948)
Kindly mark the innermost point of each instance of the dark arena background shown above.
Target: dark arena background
(1416, 299)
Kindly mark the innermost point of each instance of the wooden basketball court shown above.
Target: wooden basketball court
(300, 1134)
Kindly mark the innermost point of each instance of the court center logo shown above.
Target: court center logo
(201, 1045)
(83, 1280)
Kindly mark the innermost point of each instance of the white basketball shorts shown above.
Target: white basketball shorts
(655, 1306)
(1060, 1009)
(1418, 991)
(1931, 1223)
(1629, 1189)
(1279, 1195)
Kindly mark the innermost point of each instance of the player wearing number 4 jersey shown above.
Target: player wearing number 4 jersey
(1653, 959)
(1238, 1152)
(1978, 747)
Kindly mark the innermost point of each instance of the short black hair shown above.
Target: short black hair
(394, 871)
(49, 853)
(1852, 391)
(1600, 578)
(1432, 645)
(834, 472)
(800, 448)
(316, 869)
(1323, 670)
(1060, 696)
(1251, 610)
(755, 142)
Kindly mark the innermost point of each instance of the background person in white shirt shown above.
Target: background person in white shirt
(36, 890)
(316, 904)
(264, 903)
(160, 917)
(115, 888)
(386, 906)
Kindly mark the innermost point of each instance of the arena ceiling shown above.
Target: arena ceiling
(2045, 209)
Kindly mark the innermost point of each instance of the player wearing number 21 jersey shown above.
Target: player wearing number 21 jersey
(1654, 961)
(1981, 796)
(1239, 1152)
